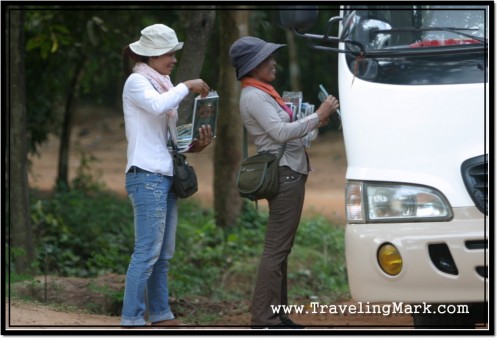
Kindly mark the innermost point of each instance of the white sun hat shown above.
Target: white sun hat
(156, 40)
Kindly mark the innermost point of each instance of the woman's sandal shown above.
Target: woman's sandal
(167, 323)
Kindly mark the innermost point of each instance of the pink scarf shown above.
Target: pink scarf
(162, 84)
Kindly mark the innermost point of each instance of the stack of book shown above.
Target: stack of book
(300, 109)
(205, 112)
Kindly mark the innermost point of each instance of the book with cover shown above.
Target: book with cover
(300, 109)
(205, 111)
(294, 101)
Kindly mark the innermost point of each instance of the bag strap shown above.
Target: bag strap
(282, 151)
(245, 154)
(175, 148)
(245, 145)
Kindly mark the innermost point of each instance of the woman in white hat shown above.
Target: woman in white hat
(271, 124)
(150, 103)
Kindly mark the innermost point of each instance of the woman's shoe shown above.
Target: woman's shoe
(284, 324)
(167, 323)
(287, 322)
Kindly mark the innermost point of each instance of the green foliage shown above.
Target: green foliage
(86, 231)
(207, 263)
(246, 240)
(57, 39)
(10, 254)
(83, 231)
(317, 262)
(113, 300)
(87, 179)
(204, 251)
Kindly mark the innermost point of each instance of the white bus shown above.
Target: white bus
(413, 91)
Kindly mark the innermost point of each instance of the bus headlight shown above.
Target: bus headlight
(386, 202)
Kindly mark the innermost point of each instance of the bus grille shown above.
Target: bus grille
(475, 176)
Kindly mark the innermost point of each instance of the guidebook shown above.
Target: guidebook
(300, 109)
(205, 112)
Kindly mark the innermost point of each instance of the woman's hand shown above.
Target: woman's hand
(326, 109)
(204, 139)
(198, 86)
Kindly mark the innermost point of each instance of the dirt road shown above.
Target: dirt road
(30, 316)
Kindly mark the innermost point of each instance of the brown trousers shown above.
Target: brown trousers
(284, 216)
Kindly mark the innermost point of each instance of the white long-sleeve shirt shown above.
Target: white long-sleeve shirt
(145, 112)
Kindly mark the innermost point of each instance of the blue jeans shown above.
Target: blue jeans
(155, 223)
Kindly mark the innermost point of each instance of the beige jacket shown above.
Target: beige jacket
(270, 127)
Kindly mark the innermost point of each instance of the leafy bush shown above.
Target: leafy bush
(317, 262)
(83, 230)
(86, 231)
(83, 234)
(204, 252)
(211, 263)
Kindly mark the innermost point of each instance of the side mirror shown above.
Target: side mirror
(302, 18)
(298, 18)
(347, 25)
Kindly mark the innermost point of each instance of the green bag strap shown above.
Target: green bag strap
(245, 145)
(245, 153)
(282, 151)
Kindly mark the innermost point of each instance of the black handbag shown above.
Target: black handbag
(185, 182)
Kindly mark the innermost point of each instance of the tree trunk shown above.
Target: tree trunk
(199, 25)
(293, 62)
(18, 208)
(228, 149)
(64, 148)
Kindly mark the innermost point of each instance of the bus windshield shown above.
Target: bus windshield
(413, 28)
